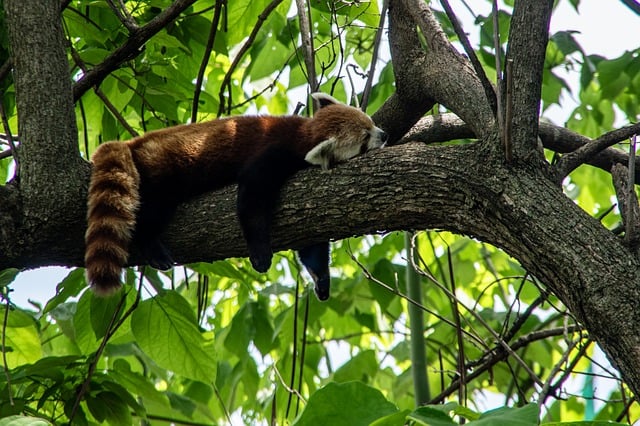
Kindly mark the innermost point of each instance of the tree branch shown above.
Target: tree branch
(464, 94)
(489, 91)
(448, 126)
(571, 161)
(527, 54)
(129, 49)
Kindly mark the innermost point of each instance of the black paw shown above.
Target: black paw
(323, 289)
(158, 256)
(261, 260)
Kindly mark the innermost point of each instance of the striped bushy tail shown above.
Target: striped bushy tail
(113, 202)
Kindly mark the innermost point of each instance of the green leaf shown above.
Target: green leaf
(110, 407)
(69, 287)
(22, 340)
(7, 276)
(395, 419)
(431, 416)
(361, 367)
(345, 404)
(165, 328)
(23, 421)
(521, 416)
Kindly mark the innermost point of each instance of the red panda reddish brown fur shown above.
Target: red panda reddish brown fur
(132, 180)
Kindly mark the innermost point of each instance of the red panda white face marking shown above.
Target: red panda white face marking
(349, 132)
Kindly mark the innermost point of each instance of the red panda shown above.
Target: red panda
(136, 185)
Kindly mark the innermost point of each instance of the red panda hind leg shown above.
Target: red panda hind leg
(315, 259)
(112, 207)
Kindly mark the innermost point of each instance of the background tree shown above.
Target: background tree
(215, 342)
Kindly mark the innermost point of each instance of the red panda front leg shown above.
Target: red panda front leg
(259, 185)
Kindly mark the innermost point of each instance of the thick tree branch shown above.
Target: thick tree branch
(441, 187)
(464, 94)
(527, 54)
(411, 101)
(448, 126)
(52, 176)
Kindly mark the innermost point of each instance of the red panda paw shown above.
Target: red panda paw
(260, 258)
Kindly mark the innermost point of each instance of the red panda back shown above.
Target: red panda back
(112, 206)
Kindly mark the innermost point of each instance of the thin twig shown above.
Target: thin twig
(114, 325)
(499, 354)
(205, 58)
(123, 15)
(552, 390)
(5, 364)
(130, 49)
(294, 355)
(462, 369)
(7, 130)
(489, 91)
(482, 321)
(301, 363)
(287, 388)
(374, 57)
(92, 366)
(304, 17)
(367, 274)
(226, 81)
(112, 109)
(546, 389)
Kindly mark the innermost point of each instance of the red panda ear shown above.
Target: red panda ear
(322, 154)
(324, 99)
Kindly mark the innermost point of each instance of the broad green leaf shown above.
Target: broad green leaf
(7, 276)
(109, 406)
(165, 328)
(21, 338)
(430, 416)
(69, 287)
(23, 421)
(345, 404)
(395, 419)
(361, 367)
(522, 416)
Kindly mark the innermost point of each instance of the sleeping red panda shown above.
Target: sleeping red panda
(136, 185)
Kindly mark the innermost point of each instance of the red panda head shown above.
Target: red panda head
(344, 132)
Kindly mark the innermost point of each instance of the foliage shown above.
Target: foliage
(210, 343)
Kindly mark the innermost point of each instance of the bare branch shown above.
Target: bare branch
(448, 126)
(527, 54)
(366, 92)
(308, 51)
(205, 58)
(571, 161)
(226, 106)
(120, 10)
(464, 95)
(489, 91)
(629, 208)
(633, 5)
